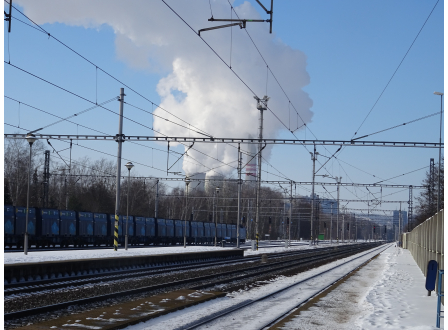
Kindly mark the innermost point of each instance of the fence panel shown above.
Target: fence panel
(425, 242)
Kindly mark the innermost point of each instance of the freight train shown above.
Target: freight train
(51, 227)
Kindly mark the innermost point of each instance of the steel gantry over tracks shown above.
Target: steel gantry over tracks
(344, 143)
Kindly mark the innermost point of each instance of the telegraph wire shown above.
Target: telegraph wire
(419, 169)
(269, 69)
(110, 75)
(95, 130)
(139, 93)
(396, 69)
(244, 83)
(83, 98)
(281, 87)
(152, 113)
(409, 122)
(102, 152)
(97, 67)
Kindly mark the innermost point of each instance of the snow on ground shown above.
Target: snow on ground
(387, 293)
(255, 316)
(40, 256)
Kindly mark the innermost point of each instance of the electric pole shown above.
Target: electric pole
(262, 105)
(119, 138)
(313, 158)
(156, 206)
(290, 217)
(239, 198)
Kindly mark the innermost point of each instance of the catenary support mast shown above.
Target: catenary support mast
(119, 139)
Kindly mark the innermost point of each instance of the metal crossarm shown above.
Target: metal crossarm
(399, 144)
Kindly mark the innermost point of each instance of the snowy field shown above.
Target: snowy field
(388, 293)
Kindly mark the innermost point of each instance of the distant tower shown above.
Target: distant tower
(251, 167)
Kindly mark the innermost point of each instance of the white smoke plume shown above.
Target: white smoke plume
(196, 85)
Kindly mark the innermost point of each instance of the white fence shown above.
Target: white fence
(425, 242)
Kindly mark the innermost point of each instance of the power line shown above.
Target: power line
(95, 130)
(211, 48)
(409, 122)
(393, 75)
(83, 98)
(98, 67)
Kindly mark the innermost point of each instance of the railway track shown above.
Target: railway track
(53, 283)
(57, 283)
(216, 276)
(211, 320)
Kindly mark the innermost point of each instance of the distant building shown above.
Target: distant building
(326, 206)
(396, 218)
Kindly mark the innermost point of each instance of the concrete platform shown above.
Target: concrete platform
(32, 271)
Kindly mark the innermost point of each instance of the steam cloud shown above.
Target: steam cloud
(196, 85)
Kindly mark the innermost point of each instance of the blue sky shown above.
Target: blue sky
(351, 48)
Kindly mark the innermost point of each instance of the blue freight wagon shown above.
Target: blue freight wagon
(131, 228)
(242, 234)
(161, 231)
(220, 231)
(233, 234)
(67, 229)
(212, 232)
(194, 232)
(180, 229)
(101, 230)
(9, 225)
(170, 231)
(85, 228)
(49, 229)
(150, 230)
(207, 233)
(201, 232)
(20, 226)
(140, 231)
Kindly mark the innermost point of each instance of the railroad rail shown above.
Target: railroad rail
(215, 278)
(208, 320)
(57, 283)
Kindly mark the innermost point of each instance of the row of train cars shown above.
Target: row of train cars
(51, 227)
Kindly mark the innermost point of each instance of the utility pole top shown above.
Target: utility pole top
(262, 104)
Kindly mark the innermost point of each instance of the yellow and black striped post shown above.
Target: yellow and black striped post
(116, 233)
(257, 240)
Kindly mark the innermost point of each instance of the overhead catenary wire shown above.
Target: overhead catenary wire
(313, 134)
(99, 151)
(95, 130)
(211, 48)
(96, 66)
(393, 75)
(400, 125)
(83, 98)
